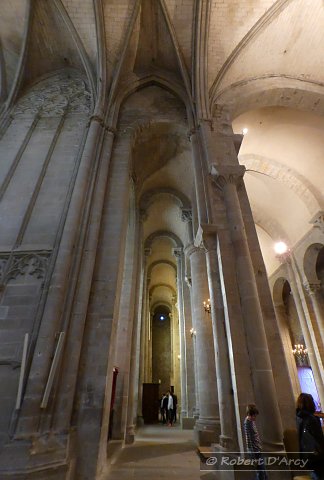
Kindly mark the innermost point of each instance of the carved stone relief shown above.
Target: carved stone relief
(22, 264)
(60, 93)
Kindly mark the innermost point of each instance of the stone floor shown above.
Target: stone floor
(159, 452)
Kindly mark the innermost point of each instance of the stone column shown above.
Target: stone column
(193, 397)
(29, 420)
(227, 179)
(143, 328)
(92, 402)
(286, 342)
(207, 428)
(176, 348)
(82, 283)
(134, 367)
(199, 177)
(145, 314)
(193, 393)
(178, 253)
(305, 323)
(227, 439)
(313, 290)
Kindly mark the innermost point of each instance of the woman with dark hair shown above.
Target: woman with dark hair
(310, 434)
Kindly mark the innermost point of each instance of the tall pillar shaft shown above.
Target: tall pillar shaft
(286, 342)
(207, 427)
(226, 179)
(183, 363)
(29, 420)
(313, 290)
(306, 326)
(228, 437)
(134, 371)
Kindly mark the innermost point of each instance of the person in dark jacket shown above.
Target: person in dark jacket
(310, 434)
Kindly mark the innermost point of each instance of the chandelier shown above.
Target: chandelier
(207, 306)
(300, 351)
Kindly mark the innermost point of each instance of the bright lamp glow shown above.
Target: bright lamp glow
(245, 131)
(280, 248)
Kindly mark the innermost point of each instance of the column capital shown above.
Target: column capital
(190, 249)
(223, 175)
(177, 252)
(312, 288)
(318, 220)
(147, 252)
(186, 215)
(143, 215)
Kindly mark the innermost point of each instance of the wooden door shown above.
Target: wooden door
(150, 403)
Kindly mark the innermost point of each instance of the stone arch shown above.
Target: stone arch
(277, 291)
(137, 85)
(269, 91)
(309, 262)
(163, 285)
(160, 303)
(162, 233)
(294, 181)
(159, 262)
(148, 197)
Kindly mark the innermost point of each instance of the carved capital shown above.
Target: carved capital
(226, 175)
(190, 249)
(143, 215)
(312, 288)
(318, 221)
(97, 118)
(147, 252)
(186, 215)
(177, 252)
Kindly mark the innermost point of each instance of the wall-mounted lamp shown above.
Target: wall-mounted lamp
(179, 356)
(207, 306)
(193, 332)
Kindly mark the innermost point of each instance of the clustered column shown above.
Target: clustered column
(227, 180)
(227, 438)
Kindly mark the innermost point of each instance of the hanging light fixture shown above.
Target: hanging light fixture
(300, 351)
(193, 332)
(207, 306)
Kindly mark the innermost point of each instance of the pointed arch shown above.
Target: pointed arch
(150, 80)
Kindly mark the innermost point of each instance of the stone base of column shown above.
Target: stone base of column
(188, 423)
(206, 431)
(48, 456)
(130, 435)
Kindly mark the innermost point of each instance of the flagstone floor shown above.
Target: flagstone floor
(159, 452)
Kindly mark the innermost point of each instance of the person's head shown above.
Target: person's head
(251, 410)
(306, 402)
